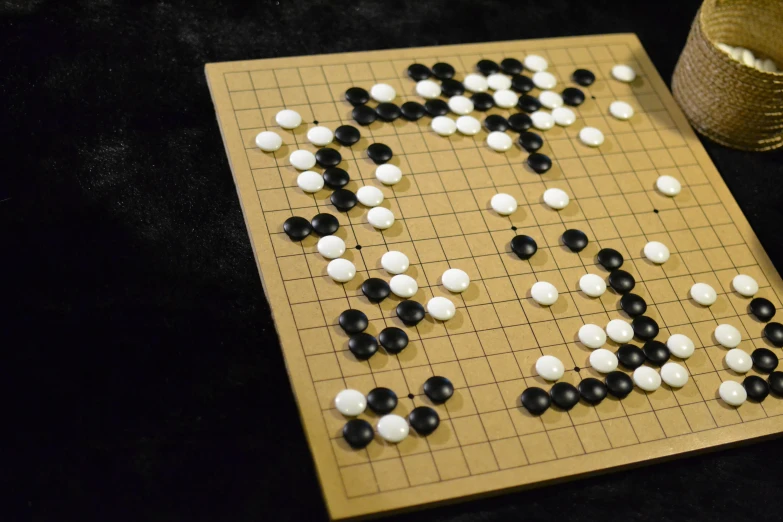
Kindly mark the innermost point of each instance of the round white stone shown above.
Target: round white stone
(460, 105)
(592, 336)
(320, 136)
(592, 285)
(646, 378)
(732, 393)
(369, 196)
(542, 120)
(680, 345)
(310, 181)
(395, 262)
(350, 402)
(563, 116)
(444, 125)
(738, 360)
(619, 331)
(497, 81)
(544, 80)
(499, 141)
(455, 280)
(503, 204)
(505, 98)
(556, 198)
(675, 375)
(288, 119)
(380, 217)
(393, 428)
(668, 185)
(656, 252)
(550, 99)
(302, 159)
(745, 285)
(703, 294)
(268, 141)
(728, 336)
(341, 270)
(535, 63)
(331, 247)
(549, 367)
(621, 110)
(544, 293)
(441, 308)
(388, 174)
(604, 361)
(428, 89)
(623, 73)
(591, 136)
(382, 92)
(475, 83)
(468, 125)
(403, 286)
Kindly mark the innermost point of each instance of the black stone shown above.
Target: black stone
(357, 96)
(575, 240)
(573, 96)
(540, 163)
(364, 115)
(592, 390)
(535, 400)
(520, 122)
(379, 153)
(775, 381)
(438, 389)
(418, 72)
(621, 281)
(375, 289)
(496, 122)
(424, 420)
(610, 258)
(343, 199)
(511, 66)
(645, 328)
(388, 111)
(297, 228)
(327, 157)
(633, 304)
(436, 107)
(451, 88)
(583, 77)
(564, 395)
(522, 83)
(381, 400)
(412, 110)
(358, 433)
(336, 178)
(656, 352)
(618, 384)
(630, 356)
(764, 360)
(353, 321)
(528, 103)
(324, 224)
(410, 312)
(531, 142)
(762, 308)
(443, 71)
(774, 334)
(482, 101)
(393, 339)
(524, 246)
(347, 135)
(756, 388)
(363, 346)
(487, 67)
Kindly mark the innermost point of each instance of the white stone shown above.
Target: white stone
(621, 110)
(680, 345)
(646, 378)
(388, 174)
(380, 217)
(656, 252)
(591, 136)
(748, 58)
(592, 336)
(505, 98)
(498, 81)
(382, 92)
(728, 336)
(732, 393)
(341, 270)
(542, 120)
(550, 99)
(725, 48)
(468, 125)
(475, 83)
(674, 374)
(736, 53)
(556, 198)
(499, 141)
(461, 105)
(350, 402)
(703, 294)
(503, 204)
(455, 280)
(444, 125)
(738, 360)
(549, 367)
(268, 141)
(668, 185)
(441, 308)
(331, 247)
(535, 63)
(544, 293)
(623, 73)
(563, 116)
(592, 285)
(393, 428)
(403, 286)
(602, 360)
(745, 285)
(288, 119)
(544, 80)
(369, 196)
(310, 181)
(320, 136)
(395, 262)
(302, 159)
(619, 331)
(428, 89)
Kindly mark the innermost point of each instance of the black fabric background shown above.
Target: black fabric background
(141, 372)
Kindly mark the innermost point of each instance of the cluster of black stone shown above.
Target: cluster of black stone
(565, 395)
(297, 228)
(525, 246)
(354, 322)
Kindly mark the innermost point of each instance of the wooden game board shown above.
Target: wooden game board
(487, 442)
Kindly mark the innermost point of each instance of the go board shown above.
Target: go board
(486, 441)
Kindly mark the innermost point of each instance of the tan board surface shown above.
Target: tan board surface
(486, 441)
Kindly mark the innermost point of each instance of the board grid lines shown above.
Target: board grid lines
(474, 438)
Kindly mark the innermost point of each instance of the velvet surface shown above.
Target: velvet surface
(142, 375)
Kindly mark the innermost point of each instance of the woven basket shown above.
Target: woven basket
(727, 101)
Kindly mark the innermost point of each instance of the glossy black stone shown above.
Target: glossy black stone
(656, 352)
(336, 178)
(618, 384)
(756, 388)
(353, 321)
(418, 72)
(535, 400)
(381, 400)
(487, 67)
(531, 142)
(327, 157)
(511, 66)
(633, 305)
(375, 289)
(424, 420)
(436, 107)
(343, 199)
(393, 339)
(528, 103)
(412, 110)
(410, 312)
(524, 246)
(621, 281)
(358, 433)
(451, 88)
(364, 115)
(573, 96)
(297, 228)
(438, 389)
(482, 101)
(522, 83)
(630, 356)
(357, 96)
(583, 77)
(347, 135)
(762, 308)
(775, 381)
(774, 334)
(379, 153)
(574, 239)
(324, 224)
(443, 71)
(363, 346)
(764, 360)
(388, 111)
(592, 390)
(609, 258)
(564, 395)
(645, 328)
(540, 163)
(496, 122)
(520, 122)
